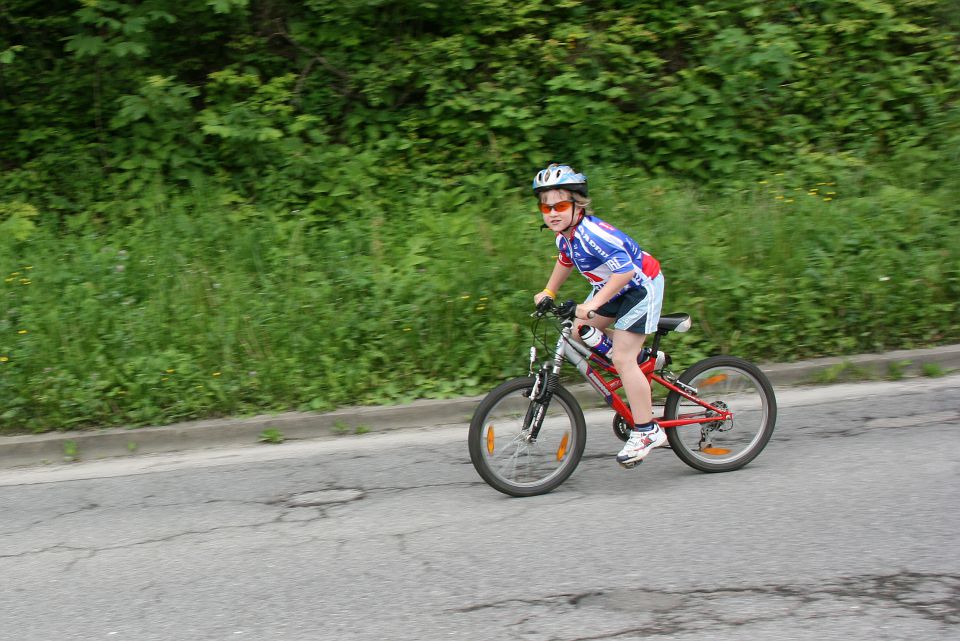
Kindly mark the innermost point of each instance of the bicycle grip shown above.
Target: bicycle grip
(545, 305)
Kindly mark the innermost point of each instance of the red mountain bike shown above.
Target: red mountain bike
(527, 435)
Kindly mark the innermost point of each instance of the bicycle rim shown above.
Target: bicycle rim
(504, 454)
(729, 384)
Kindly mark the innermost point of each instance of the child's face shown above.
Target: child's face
(558, 221)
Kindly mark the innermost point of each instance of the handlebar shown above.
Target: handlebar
(564, 311)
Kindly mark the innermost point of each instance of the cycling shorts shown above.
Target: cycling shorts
(636, 310)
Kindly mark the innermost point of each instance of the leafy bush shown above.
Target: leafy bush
(234, 206)
(277, 100)
(204, 309)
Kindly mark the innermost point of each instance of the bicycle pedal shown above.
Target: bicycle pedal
(630, 465)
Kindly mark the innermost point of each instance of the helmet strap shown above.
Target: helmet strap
(572, 217)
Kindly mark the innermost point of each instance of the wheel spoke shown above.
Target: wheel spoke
(502, 453)
(741, 392)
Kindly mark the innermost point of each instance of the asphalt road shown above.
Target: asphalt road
(846, 527)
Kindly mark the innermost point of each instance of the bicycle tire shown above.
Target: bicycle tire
(733, 383)
(509, 463)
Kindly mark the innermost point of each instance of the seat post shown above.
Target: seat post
(656, 341)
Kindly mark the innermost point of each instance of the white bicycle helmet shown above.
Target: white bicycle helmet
(559, 177)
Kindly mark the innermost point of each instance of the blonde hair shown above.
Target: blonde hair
(578, 198)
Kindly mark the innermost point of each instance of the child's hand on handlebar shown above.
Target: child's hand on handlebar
(544, 304)
(540, 296)
(585, 312)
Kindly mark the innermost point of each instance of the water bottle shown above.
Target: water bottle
(596, 340)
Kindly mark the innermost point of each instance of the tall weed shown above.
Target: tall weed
(208, 305)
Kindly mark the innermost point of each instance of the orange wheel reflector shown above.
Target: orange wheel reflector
(562, 450)
(716, 451)
(713, 380)
(490, 438)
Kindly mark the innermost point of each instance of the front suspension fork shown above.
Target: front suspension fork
(540, 396)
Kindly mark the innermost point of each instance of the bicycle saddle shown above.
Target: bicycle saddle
(674, 323)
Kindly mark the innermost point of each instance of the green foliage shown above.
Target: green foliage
(270, 99)
(932, 370)
(271, 435)
(209, 307)
(232, 206)
(71, 453)
(17, 220)
(841, 372)
(896, 369)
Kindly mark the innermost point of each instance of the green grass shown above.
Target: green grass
(932, 370)
(842, 372)
(201, 309)
(271, 435)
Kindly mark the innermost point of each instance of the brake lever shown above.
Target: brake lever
(543, 307)
(567, 310)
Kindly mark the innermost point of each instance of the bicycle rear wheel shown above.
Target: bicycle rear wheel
(727, 383)
(501, 448)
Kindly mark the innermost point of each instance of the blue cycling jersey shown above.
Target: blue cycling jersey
(599, 250)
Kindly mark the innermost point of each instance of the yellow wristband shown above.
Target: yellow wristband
(549, 292)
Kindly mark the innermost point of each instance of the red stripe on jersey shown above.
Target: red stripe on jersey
(650, 266)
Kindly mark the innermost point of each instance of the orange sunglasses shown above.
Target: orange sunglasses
(560, 207)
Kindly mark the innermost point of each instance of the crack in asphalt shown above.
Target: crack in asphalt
(33, 524)
(284, 505)
(931, 596)
(855, 426)
(386, 489)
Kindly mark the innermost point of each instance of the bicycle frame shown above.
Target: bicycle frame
(580, 356)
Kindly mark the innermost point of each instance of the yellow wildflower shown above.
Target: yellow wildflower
(23, 331)
(4, 359)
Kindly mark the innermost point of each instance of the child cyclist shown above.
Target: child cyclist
(627, 290)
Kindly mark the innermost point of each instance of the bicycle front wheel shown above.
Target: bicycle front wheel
(730, 384)
(503, 450)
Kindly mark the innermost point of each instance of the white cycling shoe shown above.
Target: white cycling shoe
(640, 444)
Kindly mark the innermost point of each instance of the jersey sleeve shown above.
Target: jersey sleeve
(620, 262)
(563, 257)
